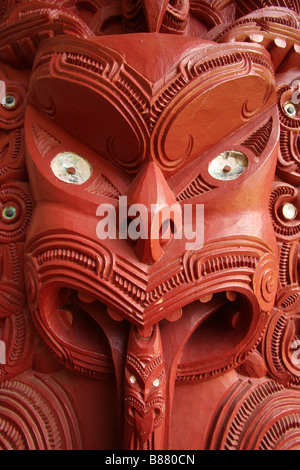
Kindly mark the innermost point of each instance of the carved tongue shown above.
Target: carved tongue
(154, 11)
(144, 425)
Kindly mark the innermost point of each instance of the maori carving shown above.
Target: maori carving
(15, 84)
(144, 392)
(288, 160)
(33, 416)
(181, 17)
(249, 405)
(40, 20)
(16, 210)
(149, 224)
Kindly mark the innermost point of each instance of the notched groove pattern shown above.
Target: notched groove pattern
(253, 401)
(214, 265)
(197, 187)
(103, 187)
(44, 141)
(259, 140)
(145, 298)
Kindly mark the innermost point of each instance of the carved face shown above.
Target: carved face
(141, 207)
(159, 120)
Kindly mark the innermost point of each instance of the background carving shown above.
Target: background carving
(105, 350)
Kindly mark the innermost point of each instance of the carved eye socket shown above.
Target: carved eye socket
(228, 165)
(9, 213)
(71, 168)
(9, 101)
(290, 109)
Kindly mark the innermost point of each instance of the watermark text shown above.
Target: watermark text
(157, 222)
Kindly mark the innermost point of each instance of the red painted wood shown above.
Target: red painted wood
(178, 329)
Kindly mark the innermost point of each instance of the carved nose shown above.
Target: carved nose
(153, 214)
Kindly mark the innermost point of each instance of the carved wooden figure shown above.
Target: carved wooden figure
(150, 263)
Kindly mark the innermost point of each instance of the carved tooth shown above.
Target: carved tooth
(278, 50)
(259, 38)
(67, 317)
(115, 315)
(256, 38)
(175, 316)
(206, 298)
(292, 59)
(233, 319)
(86, 298)
(232, 296)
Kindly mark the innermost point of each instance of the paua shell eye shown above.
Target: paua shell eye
(229, 165)
(289, 211)
(9, 101)
(9, 213)
(71, 168)
(290, 109)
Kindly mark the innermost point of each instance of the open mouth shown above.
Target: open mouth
(216, 333)
(221, 340)
(212, 305)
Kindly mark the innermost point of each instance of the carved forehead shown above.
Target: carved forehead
(151, 96)
(153, 55)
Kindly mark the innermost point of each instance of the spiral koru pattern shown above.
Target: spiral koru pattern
(32, 418)
(265, 282)
(281, 348)
(286, 230)
(257, 415)
(15, 212)
(285, 94)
